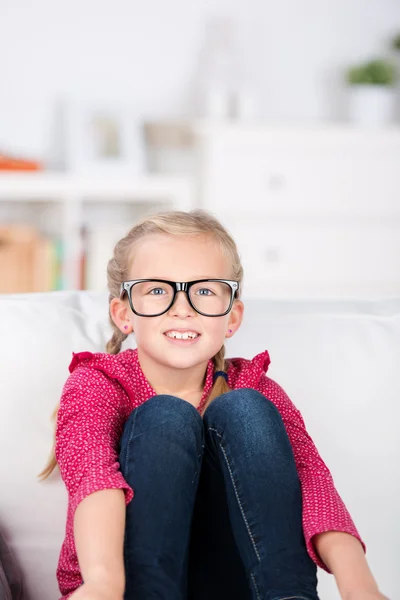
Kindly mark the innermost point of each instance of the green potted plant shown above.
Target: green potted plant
(371, 92)
(396, 42)
(396, 48)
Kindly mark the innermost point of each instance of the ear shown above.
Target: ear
(120, 313)
(235, 317)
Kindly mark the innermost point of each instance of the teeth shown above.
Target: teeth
(182, 336)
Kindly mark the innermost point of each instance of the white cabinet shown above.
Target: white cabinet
(314, 211)
(323, 259)
(299, 182)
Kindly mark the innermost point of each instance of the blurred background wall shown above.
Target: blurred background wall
(121, 110)
(293, 53)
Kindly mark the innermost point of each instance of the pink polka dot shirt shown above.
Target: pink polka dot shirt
(97, 398)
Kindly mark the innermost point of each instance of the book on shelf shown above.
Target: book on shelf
(32, 262)
(29, 261)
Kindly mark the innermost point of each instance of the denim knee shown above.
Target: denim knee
(165, 410)
(173, 414)
(246, 412)
(242, 402)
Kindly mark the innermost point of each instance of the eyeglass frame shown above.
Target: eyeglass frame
(178, 286)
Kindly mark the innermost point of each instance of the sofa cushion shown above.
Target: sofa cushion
(338, 361)
(38, 333)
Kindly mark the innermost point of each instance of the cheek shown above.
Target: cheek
(144, 328)
(216, 327)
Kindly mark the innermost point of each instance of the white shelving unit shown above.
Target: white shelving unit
(58, 203)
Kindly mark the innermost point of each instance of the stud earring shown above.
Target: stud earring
(229, 330)
(125, 326)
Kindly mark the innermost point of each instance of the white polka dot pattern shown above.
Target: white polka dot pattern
(98, 397)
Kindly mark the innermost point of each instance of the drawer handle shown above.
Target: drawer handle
(273, 254)
(276, 181)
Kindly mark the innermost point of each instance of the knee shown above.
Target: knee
(168, 411)
(161, 433)
(170, 414)
(245, 412)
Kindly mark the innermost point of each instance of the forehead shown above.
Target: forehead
(179, 258)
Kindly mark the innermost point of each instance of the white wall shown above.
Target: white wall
(293, 51)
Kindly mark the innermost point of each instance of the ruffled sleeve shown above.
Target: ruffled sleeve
(247, 373)
(93, 410)
(77, 358)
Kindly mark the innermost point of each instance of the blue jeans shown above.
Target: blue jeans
(217, 511)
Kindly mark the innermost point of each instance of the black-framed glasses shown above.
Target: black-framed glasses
(154, 297)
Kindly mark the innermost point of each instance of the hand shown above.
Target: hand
(365, 596)
(92, 591)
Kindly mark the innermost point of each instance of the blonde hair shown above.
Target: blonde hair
(178, 223)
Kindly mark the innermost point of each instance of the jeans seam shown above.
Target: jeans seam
(255, 586)
(237, 496)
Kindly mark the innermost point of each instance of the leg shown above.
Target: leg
(246, 434)
(216, 570)
(160, 457)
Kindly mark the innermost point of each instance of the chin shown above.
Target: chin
(186, 360)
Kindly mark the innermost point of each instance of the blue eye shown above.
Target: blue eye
(201, 290)
(158, 291)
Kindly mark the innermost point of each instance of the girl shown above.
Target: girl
(190, 476)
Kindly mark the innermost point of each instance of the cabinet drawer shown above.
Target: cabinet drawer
(285, 182)
(318, 259)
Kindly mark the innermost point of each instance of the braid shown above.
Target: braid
(113, 346)
(220, 386)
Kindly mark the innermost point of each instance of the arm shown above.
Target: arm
(93, 409)
(344, 556)
(332, 539)
(99, 535)
(323, 508)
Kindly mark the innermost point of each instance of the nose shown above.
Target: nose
(181, 307)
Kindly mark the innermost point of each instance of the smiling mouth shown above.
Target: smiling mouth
(176, 335)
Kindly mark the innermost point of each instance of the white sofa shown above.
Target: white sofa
(338, 360)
